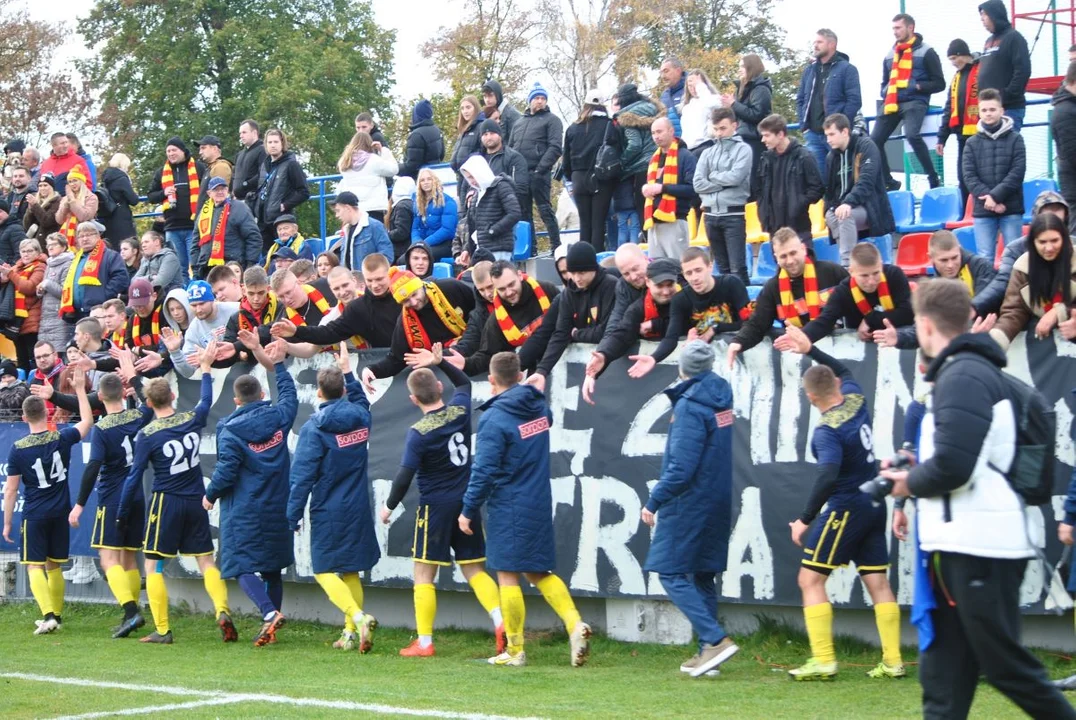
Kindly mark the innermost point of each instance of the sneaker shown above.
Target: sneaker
(1068, 683)
(892, 185)
(887, 671)
(814, 670)
(128, 626)
(711, 656)
(507, 659)
(82, 572)
(502, 639)
(44, 627)
(416, 650)
(690, 664)
(268, 632)
(227, 628)
(346, 641)
(366, 633)
(158, 639)
(580, 642)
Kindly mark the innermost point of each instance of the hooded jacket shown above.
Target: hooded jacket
(406, 259)
(1005, 64)
(251, 481)
(330, 470)
(439, 224)
(162, 269)
(510, 475)
(283, 183)
(854, 177)
(247, 175)
(1063, 127)
(367, 178)
(510, 163)
(120, 224)
(840, 94)
(926, 78)
(493, 209)
(757, 104)
(789, 184)
(178, 214)
(722, 176)
(994, 164)
(966, 444)
(180, 295)
(425, 142)
(508, 113)
(402, 217)
(585, 311)
(53, 329)
(637, 146)
(693, 496)
(537, 137)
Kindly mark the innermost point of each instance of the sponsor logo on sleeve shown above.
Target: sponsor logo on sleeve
(272, 442)
(724, 418)
(355, 437)
(534, 427)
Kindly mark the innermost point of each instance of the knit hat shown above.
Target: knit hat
(177, 142)
(696, 357)
(8, 368)
(490, 126)
(402, 283)
(582, 257)
(423, 111)
(15, 146)
(76, 173)
(482, 255)
(199, 291)
(537, 91)
(958, 47)
(48, 178)
(628, 94)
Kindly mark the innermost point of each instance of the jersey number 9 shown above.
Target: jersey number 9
(867, 439)
(458, 452)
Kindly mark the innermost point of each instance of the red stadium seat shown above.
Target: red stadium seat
(912, 254)
(965, 221)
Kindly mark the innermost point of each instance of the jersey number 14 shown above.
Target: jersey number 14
(57, 472)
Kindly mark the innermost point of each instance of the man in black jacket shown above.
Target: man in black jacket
(425, 141)
(970, 520)
(1063, 127)
(11, 234)
(364, 122)
(994, 165)
(502, 159)
(631, 263)
(537, 136)
(247, 175)
(174, 190)
(960, 116)
(873, 294)
(498, 108)
(584, 309)
(1005, 64)
(790, 181)
(911, 73)
(224, 230)
(484, 293)
(797, 294)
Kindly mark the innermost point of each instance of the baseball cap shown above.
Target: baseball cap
(216, 182)
(285, 253)
(140, 293)
(593, 97)
(662, 270)
(347, 198)
(199, 291)
(8, 368)
(210, 140)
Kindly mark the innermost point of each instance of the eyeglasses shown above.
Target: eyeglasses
(44, 357)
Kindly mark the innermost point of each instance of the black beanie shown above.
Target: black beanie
(958, 47)
(582, 257)
(628, 94)
(178, 142)
(490, 126)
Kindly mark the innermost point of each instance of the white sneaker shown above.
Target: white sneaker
(82, 572)
(506, 659)
(580, 642)
(44, 627)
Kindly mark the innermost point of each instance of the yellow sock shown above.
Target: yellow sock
(218, 591)
(485, 589)
(515, 615)
(819, 619)
(425, 608)
(354, 584)
(340, 596)
(556, 594)
(134, 579)
(56, 590)
(39, 586)
(117, 583)
(157, 593)
(887, 617)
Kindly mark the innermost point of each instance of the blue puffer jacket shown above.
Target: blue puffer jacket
(841, 93)
(330, 469)
(251, 482)
(439, 225)
(694, 496)
(510, 473)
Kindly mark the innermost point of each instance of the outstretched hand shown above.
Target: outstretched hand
(799, 341)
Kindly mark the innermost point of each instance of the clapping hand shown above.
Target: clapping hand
(799, 341)
(208, 356)
(173, 341)
(276, 351)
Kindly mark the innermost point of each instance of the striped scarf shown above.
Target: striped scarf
(899, 75)
(68, 229)
(512, 333)
(119, 337)
(650, 313)
(152, 339)
(249, 318)
(296, 244)
(792, 309)
(969, 121)
(168, 181)
(21, 311)
(666, 208)
(313, 295)
(91, 272)
(215, 234)
(452, 318)
(884, 298)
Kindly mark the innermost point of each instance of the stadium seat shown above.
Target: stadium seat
(966, 220)
(754, 225)
(940, 206)
(825, 250)
(1032, 188)
(753, 292)
(912, 255)
(765, 265)
(522, 251)
(966, 236)
(884, 243)
(817, 213)
(700, 241)
(442, 270)
(604, 255)
(903, 204)
(998, 253)
(317, 245)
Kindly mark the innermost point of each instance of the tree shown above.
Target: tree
(492, 44)
(397, 123)
(35, 96)
(190, 67)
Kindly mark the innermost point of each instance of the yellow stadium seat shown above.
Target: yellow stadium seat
(817, 213)
(754, 225)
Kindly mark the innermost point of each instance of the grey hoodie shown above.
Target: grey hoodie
(723, 176)
(162, 270)
(181, 295)
(200, 333)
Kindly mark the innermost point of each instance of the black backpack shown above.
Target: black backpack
(607, 165)
(1032, 472)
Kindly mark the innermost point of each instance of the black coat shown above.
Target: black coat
(11, 234)
(841, 305)
(800, 188)
(854, 176)
(178, 215)
(493, 219)
(582, 142)
(283, 183)
(1005, 64)
(538, 138)
(425, 146)
(585, 311)
(467, 144)
(1063, 127)
(756, 327)
(757, 103)
(509, 162)
(994, 164)
(399, 227)
(247, 174)
(120, 224)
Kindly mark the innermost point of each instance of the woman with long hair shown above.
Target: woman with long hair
(365, 166)
(131, 252)
(26, 276)
(116, 181)
(78, 205)
(40, 218)
(468, 141)
(436, 215)
(700, 97)
(325, 262)
(752, 102)
(582, 141)
(1042, 284)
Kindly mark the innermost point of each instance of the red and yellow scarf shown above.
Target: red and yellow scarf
(512, 333)
(791, 308)
(68, 230)
(265, 316)
(169, 181)
(417, 337)
(969, 121)
(650, 313)
(314, 296)
(899, 75)
(91, 272)
(860, 299)
(119, 337)
(21, 311)
(216, 234)
(666, 207)
(152, 339)
(296, 245)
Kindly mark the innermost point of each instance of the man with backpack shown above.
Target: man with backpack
(973, 453)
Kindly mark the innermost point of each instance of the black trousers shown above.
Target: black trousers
(24, 351)
(536, 192)
(912, 114)
(981, 635)
(593, 211)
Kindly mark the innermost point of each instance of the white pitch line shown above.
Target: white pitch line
(212, 697)
(151, 710)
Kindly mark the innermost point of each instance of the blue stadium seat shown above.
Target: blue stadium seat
(753, 291)
(316, 245)
(966, 236)
(825, 250)
(940, 206)
(22, 375)
(884, 243)
(903, 204)
(442, 270)
(1032, 189)
(765, 266)
(522, 251)
(602, 256)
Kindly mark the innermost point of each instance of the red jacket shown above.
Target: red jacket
(59, 165)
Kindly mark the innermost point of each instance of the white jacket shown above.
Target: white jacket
(695, 116)
(369, 184)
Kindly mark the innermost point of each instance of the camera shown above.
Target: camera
(879, 487)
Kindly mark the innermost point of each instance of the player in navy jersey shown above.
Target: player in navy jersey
(177, 524)
(43, 458)
(438, 449)
(853, 529)
(111, 455)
